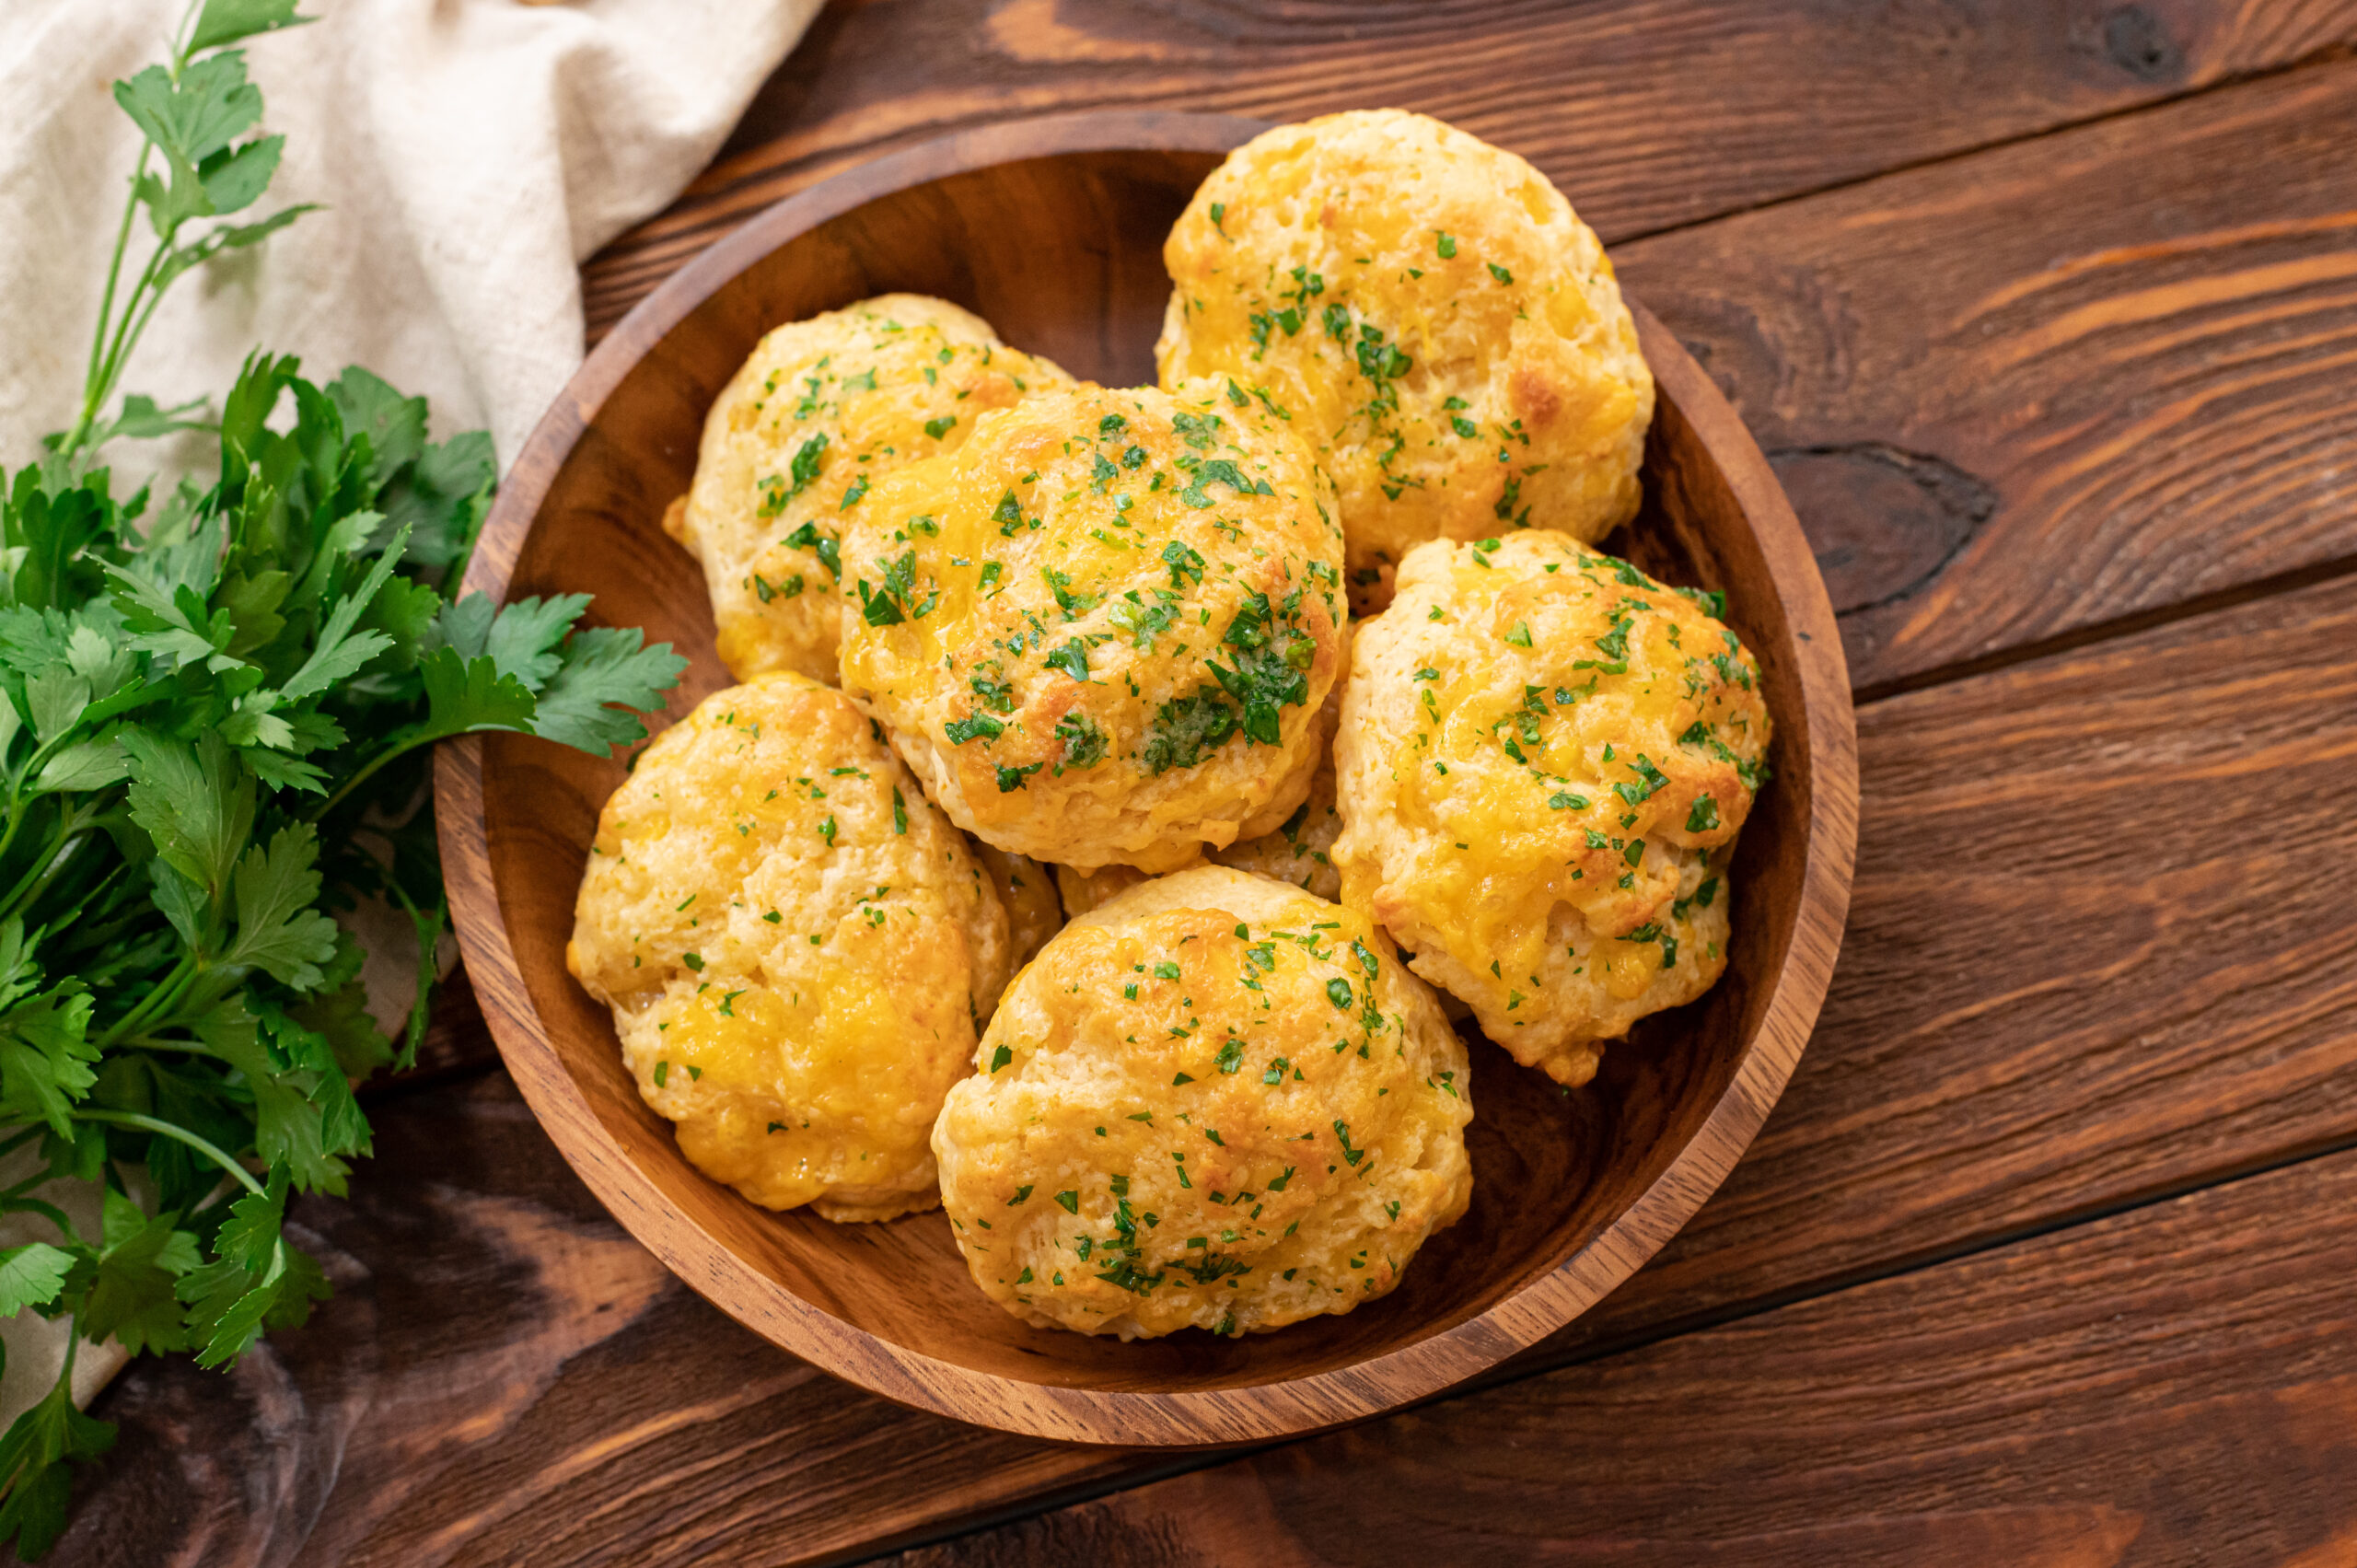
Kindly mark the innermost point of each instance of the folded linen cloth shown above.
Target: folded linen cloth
(466, 155)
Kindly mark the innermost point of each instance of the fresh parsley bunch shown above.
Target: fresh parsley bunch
(214, 711)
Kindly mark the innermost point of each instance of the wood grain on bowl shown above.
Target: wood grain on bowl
(1053, 230)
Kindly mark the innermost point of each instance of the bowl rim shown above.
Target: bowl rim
(1196, 1418)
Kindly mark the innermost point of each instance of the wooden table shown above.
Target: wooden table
(2048, 314)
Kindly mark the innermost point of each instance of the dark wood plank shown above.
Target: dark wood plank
(2054, 385)
(2097, 953)
(1650, 113)
(2176, 1384)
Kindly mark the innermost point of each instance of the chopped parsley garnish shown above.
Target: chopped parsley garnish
(890, 607)
(1008, 515)
(1269, 667)
(1649, 780)
(1183, 562)
(963, 731)
(1084, 743)
(1074, 605)
(1146, 622)
(1219, 471)
(823, 545)
(1712, 602)
(1184, 730)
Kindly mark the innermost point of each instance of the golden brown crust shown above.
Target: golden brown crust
(796, 946)
(1214, 1102)
(1544, 759)
(1100, 632)
(822, 410)
(1433, 318)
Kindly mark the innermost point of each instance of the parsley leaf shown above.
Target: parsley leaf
(214, 716)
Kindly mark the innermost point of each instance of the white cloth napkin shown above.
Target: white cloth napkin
(466, 155)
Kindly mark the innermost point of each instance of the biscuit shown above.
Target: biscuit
(1101, 630)
(797, 949)
(1544, 758)
(1431, 316)
(1215, 1102)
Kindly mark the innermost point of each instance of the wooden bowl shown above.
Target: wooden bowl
(1053, 230)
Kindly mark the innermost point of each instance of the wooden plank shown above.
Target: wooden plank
(1649, 112)
(2056, 385)
(2174, 1385)
(2097, 953)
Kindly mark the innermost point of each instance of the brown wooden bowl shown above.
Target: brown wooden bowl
(1053, 230)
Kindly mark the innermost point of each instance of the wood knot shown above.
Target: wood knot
(1883, 522)
(2138, 44)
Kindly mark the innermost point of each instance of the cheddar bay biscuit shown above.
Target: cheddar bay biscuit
(1214, 1102)
(1101, 630)
(1544, 759)
(797, 948)
(1433, 319)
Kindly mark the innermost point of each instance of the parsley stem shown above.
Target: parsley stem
(429, 937)
(45, 866)
(178, 1135)
(91, 396)
(165, 990)
(157, 1042)
(110, 369)
(15, 821)
(368, 769)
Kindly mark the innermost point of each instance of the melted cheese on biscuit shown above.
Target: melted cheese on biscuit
(1431, 315)
(1215, 1102)
(822, 410)
(1102, 630)
(1544, 761)
(795, 945)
